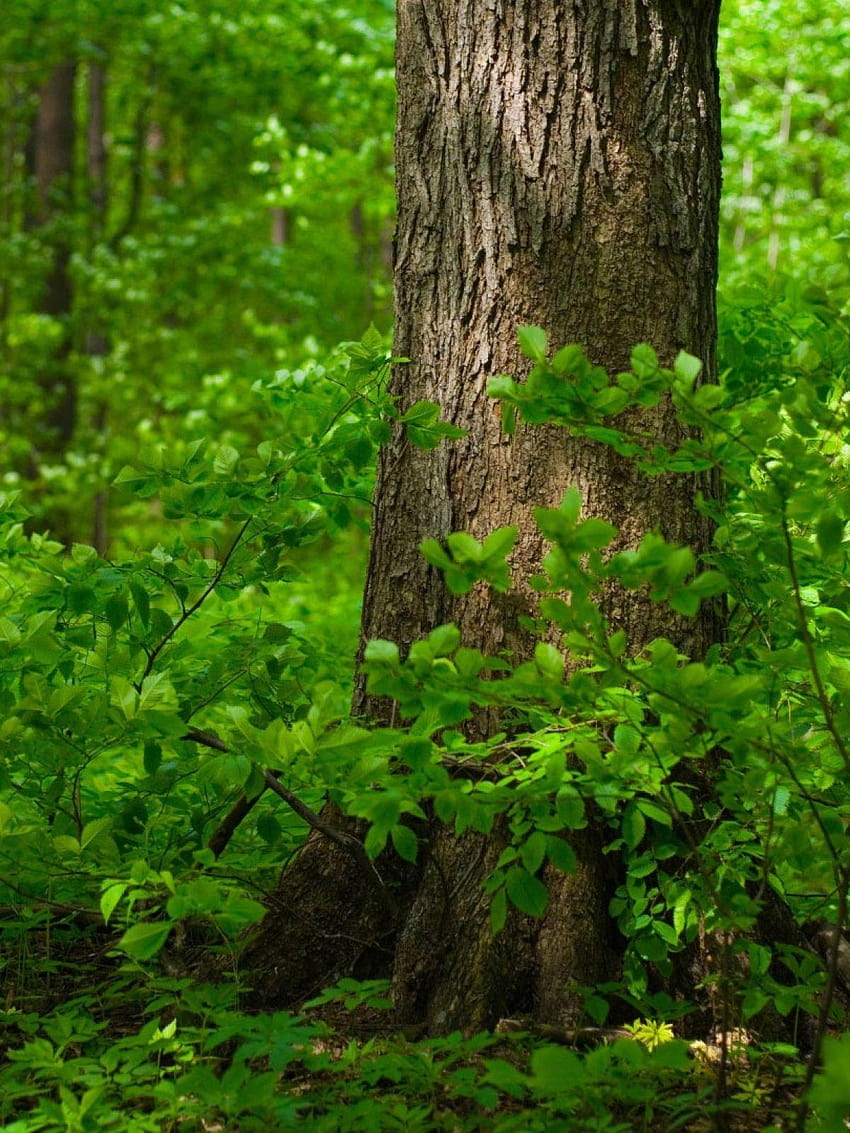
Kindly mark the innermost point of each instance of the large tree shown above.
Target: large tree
(558, 164)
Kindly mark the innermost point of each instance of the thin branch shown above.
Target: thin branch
(340, 837)
(808, 642)
(228, 826)
(826, 1000)
(187, 612)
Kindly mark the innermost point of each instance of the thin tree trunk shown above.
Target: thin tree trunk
(362, 255)
(51, 160)
(96, 151)
(97, 345)
(7, 194)
(281, 226)
(137, 173)
(558, 163)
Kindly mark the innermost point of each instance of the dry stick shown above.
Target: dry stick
(332, 833)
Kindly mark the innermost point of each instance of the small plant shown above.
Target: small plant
(650, 1032)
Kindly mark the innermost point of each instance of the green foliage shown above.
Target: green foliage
(650, 1032)
(201, 1060)
(148, 688)
(785, 85)
(248, 168)
(468, 561)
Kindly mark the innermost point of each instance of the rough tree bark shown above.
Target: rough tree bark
(558, 163)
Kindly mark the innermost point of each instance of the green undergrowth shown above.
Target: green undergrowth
(193, 1061)
(174, 718)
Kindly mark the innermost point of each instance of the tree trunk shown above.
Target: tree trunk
(96, 343)
(558, 164)
(281, 227)
(51, 160)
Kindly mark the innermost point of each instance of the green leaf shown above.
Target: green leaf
(382, 652)
(829, 532)
(444, 640)
(753, 1002)
(708, 397)
(433, 553)
(405, 842)
(627, 739)
(592, 535)
(422, 413)
(680, 911)
(667, 933)
(657, 813)
(830, 1092)
(568, 359)
(528, 893)
(532, 342)
(110, 897)
(560, 853)
(498, 912)
(501, 386)
(644, 361)
(143, 941)
(276, 633)
(781, 798)
(687, 367)
(533, 851)
(225, 461)
(116, 610)
(152, 757)
(465, 548)
(268, 828)
(65, 845)
(651, 947)
(509, 418)
(556, 1071)
(549, 660)
(634, 826)
(142, 602)
(375, 840)
(571, 811)
(500, 543)
(80, 599)
(597, 1008)
(570, 506)
(92, 830)
(157, 692)
(425, 429)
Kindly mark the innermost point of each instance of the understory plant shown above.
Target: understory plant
(173, 721)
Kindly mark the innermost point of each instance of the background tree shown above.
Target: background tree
(50, 160)
(191, 115)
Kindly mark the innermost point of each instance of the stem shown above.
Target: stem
(808, 642)
(826, 1002)
(187, 613)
